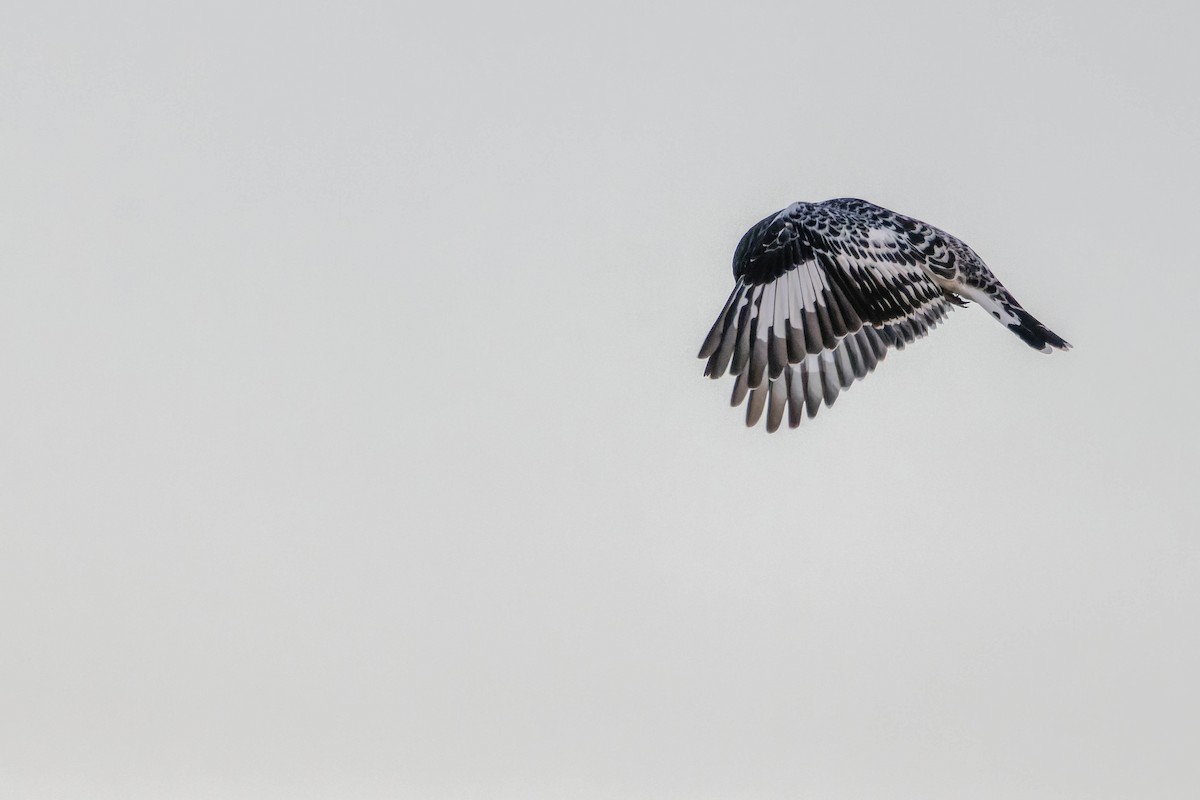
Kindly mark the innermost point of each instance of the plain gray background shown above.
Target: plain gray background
(353, 442)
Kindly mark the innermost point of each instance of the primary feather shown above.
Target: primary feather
(822, 292)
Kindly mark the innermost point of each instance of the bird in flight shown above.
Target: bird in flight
(823, 290)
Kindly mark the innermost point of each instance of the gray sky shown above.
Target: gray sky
(353, 442)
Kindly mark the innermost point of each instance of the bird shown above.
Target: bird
(824, 290)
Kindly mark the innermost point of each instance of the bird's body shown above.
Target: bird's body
(823, 290)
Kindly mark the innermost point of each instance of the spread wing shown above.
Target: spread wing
(820, 298)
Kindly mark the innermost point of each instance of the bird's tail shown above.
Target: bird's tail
(1034, 333)
(1004, 307)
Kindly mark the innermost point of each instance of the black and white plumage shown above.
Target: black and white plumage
(824, 290)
